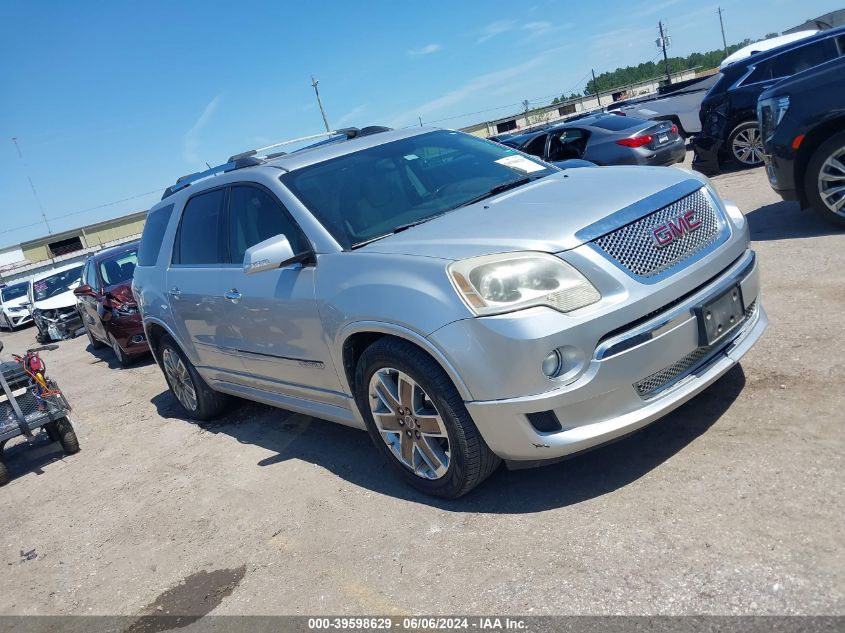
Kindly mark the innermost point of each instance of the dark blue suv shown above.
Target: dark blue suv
(729, 130)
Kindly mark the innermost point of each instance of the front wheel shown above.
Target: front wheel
(824, 180)
(62, 430)
(122, 357)
(94, 342)
(198, 400)
(417, 419)
(746, 144)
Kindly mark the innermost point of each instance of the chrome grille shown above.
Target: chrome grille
(667, 376)
(633, 248)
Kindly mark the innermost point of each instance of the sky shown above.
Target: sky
(110, 102)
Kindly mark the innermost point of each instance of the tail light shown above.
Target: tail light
(636, 141)
(674, 129)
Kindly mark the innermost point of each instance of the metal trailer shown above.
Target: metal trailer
(28, 405)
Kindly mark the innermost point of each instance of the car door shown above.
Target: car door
(90, 306)
(274, 313)
(195, 288)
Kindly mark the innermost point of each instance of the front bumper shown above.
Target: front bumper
(706, 153)
(604, 403)
(128, 331)
(58, 324)
(17, 319)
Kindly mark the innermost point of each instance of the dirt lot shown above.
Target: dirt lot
(728, 505)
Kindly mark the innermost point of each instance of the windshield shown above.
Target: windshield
(13, 292)
(119, 269)
(55, 284)
(369, 194)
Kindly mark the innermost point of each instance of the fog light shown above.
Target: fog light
(564, 363)
(552, 363)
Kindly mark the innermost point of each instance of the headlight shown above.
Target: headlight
(770, 113)
(492, 284)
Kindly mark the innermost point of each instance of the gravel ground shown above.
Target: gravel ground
(730, 505)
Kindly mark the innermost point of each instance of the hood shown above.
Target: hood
(13, 303)
(122, 292)
(553, 214)
(64, 300)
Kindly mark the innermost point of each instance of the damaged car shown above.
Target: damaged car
(53, 303)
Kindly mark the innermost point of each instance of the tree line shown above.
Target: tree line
(649, 70)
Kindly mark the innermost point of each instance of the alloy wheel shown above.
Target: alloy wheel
(179, 379)
(831, 182)
(747, 146)
(409, 423)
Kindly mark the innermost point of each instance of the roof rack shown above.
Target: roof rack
(258, 156)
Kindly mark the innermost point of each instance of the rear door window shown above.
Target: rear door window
(198, 242)
(154, 228)
(254, 216)
(802, 58)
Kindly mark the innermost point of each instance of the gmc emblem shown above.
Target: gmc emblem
(674, 229)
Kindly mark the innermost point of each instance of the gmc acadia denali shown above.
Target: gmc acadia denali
(462, 301)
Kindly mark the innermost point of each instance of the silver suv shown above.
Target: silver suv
(463, 302)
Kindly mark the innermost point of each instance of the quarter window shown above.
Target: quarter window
(154, 228)
(254, 216)
(536, 146)
(199, 239)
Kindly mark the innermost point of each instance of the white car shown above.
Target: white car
(53, 303)
(13, 306)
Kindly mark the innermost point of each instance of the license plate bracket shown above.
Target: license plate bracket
(720, 316)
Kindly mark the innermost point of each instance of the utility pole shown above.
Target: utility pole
(32, 186)
(722, 25)
(596, 86)
(662, 43)
(314, 83)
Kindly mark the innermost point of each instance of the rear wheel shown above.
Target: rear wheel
(824, 180)
(418, 420)
(194, 395)
(746, 144)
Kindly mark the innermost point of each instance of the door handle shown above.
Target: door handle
(175, 292)
(233, 295)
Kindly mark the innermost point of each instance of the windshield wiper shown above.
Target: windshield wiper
(505, 186)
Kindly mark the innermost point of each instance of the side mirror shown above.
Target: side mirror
(268, 255)
(84, 291)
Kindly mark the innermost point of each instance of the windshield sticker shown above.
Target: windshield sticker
(520, 163)
(410, 157)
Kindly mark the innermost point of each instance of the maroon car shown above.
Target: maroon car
(104, 299)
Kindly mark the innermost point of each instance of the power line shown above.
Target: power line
(81, 211)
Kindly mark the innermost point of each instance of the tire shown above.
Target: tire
(66, 435)
(122, 357)
(434, 399)
(52, 431)
(92, 340)
(40, 337)
(206, 404)
(4, 473)
(749, 145)
(832, 149)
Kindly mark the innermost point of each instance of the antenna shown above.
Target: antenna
(32, 186)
